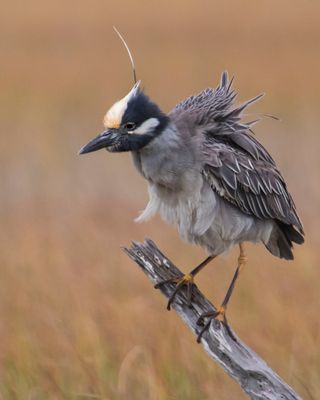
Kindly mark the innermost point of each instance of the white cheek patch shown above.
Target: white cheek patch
(113, 117)
(147, 126)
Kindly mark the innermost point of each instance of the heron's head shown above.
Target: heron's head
(130, 124)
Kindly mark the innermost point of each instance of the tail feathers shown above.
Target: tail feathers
(281, 238)
(285, 246)
(291, 233)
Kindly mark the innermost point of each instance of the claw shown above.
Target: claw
(185, 280)
(170, 280)
(219, 315)
(205, 328)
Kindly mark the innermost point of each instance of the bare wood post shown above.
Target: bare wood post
(255, 377)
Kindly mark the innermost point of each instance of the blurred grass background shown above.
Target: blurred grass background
(77, 319)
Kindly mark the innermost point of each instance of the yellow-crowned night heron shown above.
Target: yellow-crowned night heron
(207, 174)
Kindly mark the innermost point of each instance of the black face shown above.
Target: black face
(140, 109)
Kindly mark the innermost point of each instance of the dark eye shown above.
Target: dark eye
(130, 126)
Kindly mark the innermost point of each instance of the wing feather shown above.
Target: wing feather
(259, 190)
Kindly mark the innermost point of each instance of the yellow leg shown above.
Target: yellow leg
(220, 314)
(242, 260)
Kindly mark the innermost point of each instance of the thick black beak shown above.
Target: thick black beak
(104, 140)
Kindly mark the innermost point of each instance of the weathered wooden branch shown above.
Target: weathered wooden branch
(256, 378)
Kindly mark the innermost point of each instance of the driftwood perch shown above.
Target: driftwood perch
(255, 377)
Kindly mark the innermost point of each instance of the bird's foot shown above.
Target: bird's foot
(181, 281)
(219, 315)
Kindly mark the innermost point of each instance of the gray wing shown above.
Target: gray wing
(252, 184)
(235, 164)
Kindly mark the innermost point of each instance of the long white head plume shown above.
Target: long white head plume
(129, 54)
(113, 117)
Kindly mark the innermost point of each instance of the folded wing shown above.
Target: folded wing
(235, 164)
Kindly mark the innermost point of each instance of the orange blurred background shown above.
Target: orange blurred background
(78, 319)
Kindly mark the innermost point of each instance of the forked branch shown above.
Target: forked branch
(255, 377)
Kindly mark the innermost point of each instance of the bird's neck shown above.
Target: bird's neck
(165, 160)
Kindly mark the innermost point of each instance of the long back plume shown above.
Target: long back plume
(129, 53)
